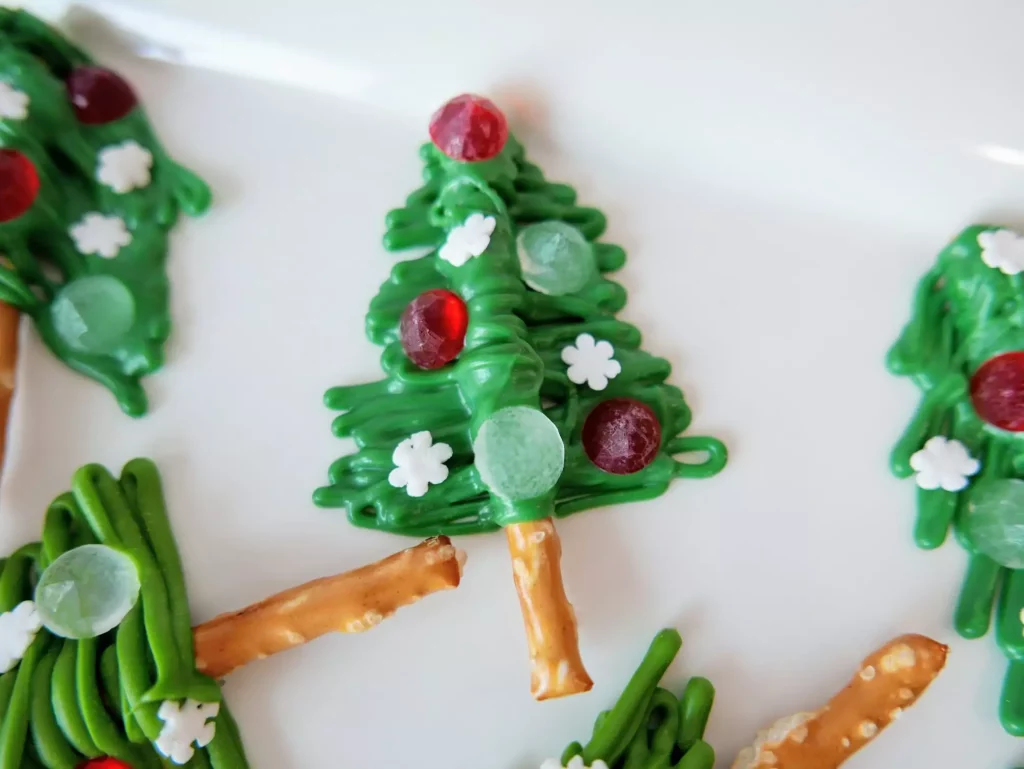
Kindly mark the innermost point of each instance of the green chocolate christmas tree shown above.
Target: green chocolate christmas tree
(964, 348)
(100, 666)
(104, 702)
(649, 727)
(88, 197)
(512, 394)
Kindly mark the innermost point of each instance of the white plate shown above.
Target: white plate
(780, 174)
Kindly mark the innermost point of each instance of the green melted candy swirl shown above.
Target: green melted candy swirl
(649, 727)
(107, 318)
(511, 357)
(71, 700)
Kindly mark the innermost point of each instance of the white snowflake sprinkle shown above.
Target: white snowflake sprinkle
(124, 167)
(576, 762)
(13, 103)
(944, 463)
(419, 462)
(1002, 250)
(469, 239)
(591, 361)
(99, 234)
(184, 724)
(18, 627)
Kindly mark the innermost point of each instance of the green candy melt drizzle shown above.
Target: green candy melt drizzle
(965, 313)
(107, 318)
(67, 701)
(649, 727)
(511, 357)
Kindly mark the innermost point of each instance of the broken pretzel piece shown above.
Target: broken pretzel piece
(889, 681)
(350, 603)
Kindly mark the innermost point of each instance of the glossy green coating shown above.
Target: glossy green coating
(70, 700)
(512, 357)
(649, 727)
(966, 312)
(124, 299)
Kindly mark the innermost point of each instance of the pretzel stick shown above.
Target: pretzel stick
(9, 318)
(555, 664)
(889, 680)
(350, 603)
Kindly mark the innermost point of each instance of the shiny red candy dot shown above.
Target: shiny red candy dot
(104, 763)
(621, 435)
(19, 184)
(997, 391)
(99, 95)
(469, 128)
(433, 328)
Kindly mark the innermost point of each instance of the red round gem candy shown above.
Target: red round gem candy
(104, 763)
(99, 95)
(621, 435)
(19, 184)
(997, 391)
(469, 128)
(433, 328)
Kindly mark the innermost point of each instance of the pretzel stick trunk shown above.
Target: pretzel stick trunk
(350, 603)
(556, 669)
(889, 681)
(9, 318)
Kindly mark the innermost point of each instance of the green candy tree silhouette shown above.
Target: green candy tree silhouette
(512, 394)
(89, 196)
(964, 349)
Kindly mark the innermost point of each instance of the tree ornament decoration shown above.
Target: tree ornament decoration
(99, 95)
(621, 435)
(964, 348)
(648, 727)
(432, 328)
(506, 396)
(555, 258)
(144, 694)
(87, 199)
(469, 129)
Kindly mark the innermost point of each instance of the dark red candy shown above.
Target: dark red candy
(99, 95)
(469, 128)
(997, 391)
(621, 435)
(433, 328)
(104, 763)
(19, 184)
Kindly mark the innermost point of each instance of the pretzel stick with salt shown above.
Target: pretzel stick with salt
(350, 603)
(9, 318)
(889, 681)
(556, 668)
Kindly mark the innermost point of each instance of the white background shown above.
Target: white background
(780, 175)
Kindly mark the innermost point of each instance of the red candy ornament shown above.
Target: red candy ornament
(99, 95)
(997, 391)
(469, 128)
(104, 763)
(621, 435)
(433, 328)
(19, 184)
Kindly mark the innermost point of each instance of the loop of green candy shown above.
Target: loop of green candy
(41, 256)
(964, 313)
(67, 701)
(649, 727)
(512, 357)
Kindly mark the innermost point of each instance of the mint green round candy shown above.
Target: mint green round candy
(993, 521)
(555, 258)
(519, 453)
(93, 313)
(87, 591)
